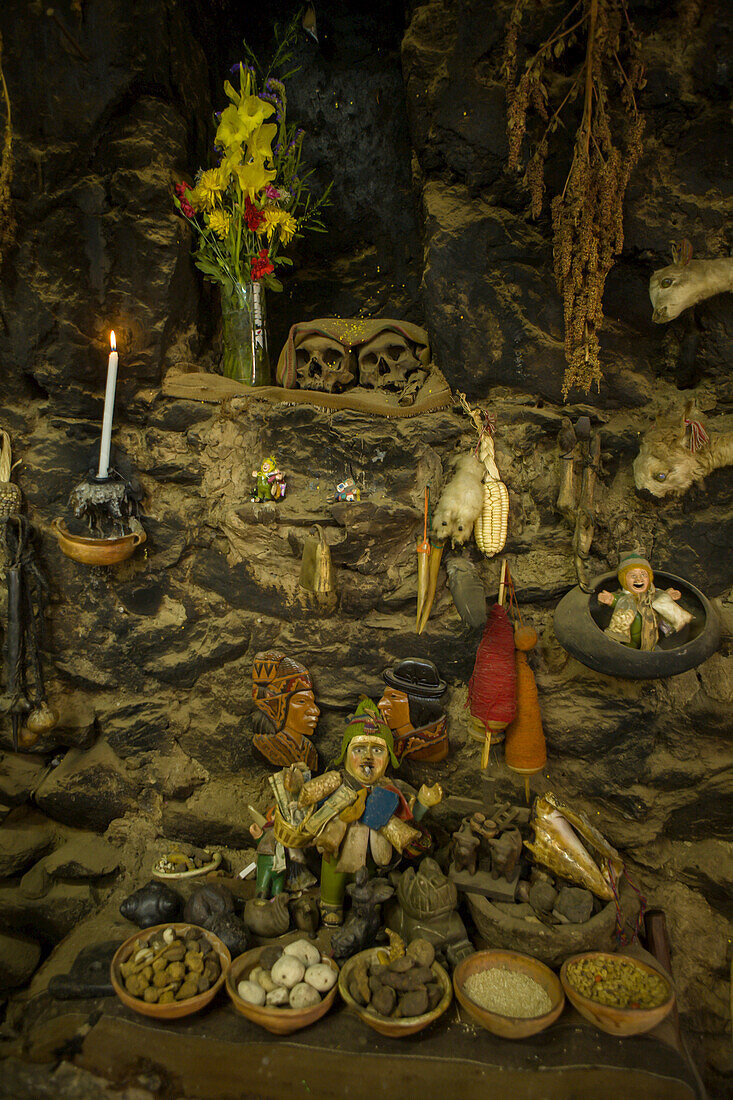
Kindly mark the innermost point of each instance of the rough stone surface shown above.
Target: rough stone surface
(149, 662)
(84, 857)
(18, 959)
(24, 838)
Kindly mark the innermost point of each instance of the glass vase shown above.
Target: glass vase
(245, 357)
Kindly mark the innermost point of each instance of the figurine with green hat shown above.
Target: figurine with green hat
(358, 817)
(638, 606)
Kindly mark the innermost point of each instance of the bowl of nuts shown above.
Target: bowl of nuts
(169, 970)
(396, 996)
(283, 989)
(621, 995)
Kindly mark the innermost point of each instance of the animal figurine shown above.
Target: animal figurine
(361, 928)
(305, 914)
(685, 282)
(271, 483)
(505, 852)
(460, 502)
(154, 903)
(676, 454)
(464, 850)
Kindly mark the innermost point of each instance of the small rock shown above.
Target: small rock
(422, 951)
(542, 896)
(574, 904)
(251, 992)
(402, 965)
(435, 994)
(414, 1003)
(19, 957)
(384, 1000)
(82, 858)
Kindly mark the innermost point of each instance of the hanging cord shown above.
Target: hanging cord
(698, 436)
(513, 601)
(621, 935)
(33, 598)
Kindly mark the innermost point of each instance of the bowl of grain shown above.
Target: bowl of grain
(509, 994)
(619, 994)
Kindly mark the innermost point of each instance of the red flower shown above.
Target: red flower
(187, 209)
(261, 265)
(181, 189)
(253, 218)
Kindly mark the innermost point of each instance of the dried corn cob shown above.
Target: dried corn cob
(9, 493)
(491, 526)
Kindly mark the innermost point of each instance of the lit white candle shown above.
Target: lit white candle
(109, 408)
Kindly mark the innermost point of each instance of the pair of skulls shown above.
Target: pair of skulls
(383, 363)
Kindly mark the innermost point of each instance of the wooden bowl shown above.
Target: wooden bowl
(278, 1021)
(617, 1021)
(385, 1025)
(96, 551)
(177, 1008)
(509, 1027)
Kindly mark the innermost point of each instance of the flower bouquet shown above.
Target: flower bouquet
(249, 208)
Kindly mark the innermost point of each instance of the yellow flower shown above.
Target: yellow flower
(237, 124)
(206, 195)
(253, 176)
(281, 221)
(219, 222)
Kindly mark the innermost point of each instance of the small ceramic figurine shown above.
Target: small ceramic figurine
(271, 483)
(347, 490)
(283, 692)
(639, 608)
(410, 706)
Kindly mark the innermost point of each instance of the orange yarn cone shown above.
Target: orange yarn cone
(525, 751)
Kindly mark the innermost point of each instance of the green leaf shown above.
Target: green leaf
(272, 283)
(284, 260)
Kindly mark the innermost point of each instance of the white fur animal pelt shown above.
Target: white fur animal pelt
(460, 502)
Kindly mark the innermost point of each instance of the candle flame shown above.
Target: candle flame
(112, 340)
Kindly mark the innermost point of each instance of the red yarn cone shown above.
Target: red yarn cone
(492, 687)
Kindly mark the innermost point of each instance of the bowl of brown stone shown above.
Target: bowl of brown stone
(283, 989)
(169, 970)
(510, 994)
(396, 996)
(619, 994)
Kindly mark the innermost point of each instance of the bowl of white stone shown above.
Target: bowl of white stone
(510, 994)
(283, 989)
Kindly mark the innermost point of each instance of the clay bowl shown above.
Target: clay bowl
(617, 1021)
(167, 876)
(385, 1025)
(278, 1021)
(96, 551)
(177, 1008)
(509, 1027)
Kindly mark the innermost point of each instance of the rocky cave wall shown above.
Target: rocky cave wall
(150, 662)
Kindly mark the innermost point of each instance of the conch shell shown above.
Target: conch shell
(567, 843)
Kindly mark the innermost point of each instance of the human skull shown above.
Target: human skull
(323, 364)
(386, 362)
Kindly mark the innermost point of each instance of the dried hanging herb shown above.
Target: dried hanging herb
(587, 217)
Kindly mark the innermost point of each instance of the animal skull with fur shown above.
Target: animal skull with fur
(386, 362)
(669, 462)
(323, 364)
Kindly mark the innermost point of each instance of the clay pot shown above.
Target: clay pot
(96, 551)
(267, 918)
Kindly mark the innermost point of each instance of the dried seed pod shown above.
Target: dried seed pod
(194, 961)
(188, 989)
(167, 998)
(151, 994)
